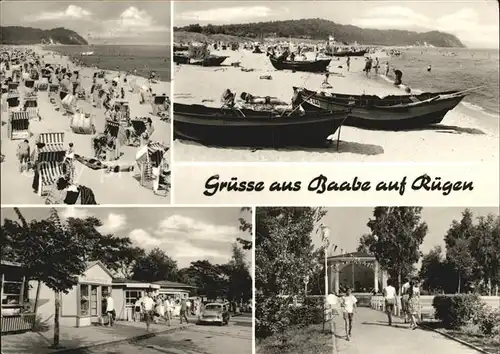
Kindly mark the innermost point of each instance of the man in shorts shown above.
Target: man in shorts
(348, 305)
(390, 297)
(148, 306)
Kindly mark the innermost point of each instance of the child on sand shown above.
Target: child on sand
(348, 305)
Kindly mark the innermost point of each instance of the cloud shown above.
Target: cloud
(465, 23)
(196, 229)
(132, 22)
(113, 223)
(144, 238)
(72, 12)
(226, 14)
(72, 212)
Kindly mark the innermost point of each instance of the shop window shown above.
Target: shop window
(131, 296)
(84, 300)
(11, 293)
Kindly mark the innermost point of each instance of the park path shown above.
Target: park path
(371, 334)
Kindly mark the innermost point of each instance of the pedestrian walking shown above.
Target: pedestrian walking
(332, 301)
(183, 312)
(148, 305)
(404, 299)
(414, 303)
(390, 300)
(168, 310)
(138, 310)
(348, 306)
(110, 310)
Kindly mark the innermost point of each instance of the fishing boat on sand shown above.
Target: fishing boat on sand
(348, 53)
(397, 112)
(314, 66)
(255, 128)
(198, 55)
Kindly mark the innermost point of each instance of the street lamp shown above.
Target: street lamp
(325, 234)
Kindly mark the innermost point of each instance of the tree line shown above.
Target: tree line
(321, 29)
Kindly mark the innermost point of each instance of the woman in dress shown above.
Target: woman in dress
(413, 303)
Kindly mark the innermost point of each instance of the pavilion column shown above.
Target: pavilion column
(337, 280)
(331, 274)
(375, 278)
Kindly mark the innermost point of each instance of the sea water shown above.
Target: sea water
(142, 58)
(454, 69)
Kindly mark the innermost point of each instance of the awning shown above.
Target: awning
(19, 116)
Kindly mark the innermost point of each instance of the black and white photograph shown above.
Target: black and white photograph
(347, 81)
(377, 280)
(85, 102)
(126, 280)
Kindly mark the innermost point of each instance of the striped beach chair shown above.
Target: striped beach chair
(31, 106)
(18, 125)
(50, 160)
(154, 171)
(114, 129)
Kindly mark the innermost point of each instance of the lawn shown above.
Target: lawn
(306, 340)
(471, 335)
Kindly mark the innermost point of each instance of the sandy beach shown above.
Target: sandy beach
(461, 137)
(109, 188)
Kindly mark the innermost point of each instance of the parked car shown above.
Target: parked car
(215, 313)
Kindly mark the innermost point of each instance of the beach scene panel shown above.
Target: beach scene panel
(337, 81)
(85, 103)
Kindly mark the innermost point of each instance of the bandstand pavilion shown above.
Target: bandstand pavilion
(359, 271)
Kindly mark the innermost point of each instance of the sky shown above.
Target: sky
(99, 22)
(185, 234)
(474, 22)
(347, 225)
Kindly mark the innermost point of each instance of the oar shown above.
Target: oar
(300, 104)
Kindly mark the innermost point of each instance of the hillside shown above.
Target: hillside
(28, 35)
(320, 29)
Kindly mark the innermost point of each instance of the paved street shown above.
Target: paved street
(234, 338)
(371, 334)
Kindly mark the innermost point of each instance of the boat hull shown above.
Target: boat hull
(226, 127)
(317, 66)
(349, 54)
(388, 117)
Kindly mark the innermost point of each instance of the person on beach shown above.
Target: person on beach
(184, 310)
(368, 66)
(413, 303)
(376, 66)
(148, 305)
(36, 165)
(23, 154)
(429, 68)
(325, 83)
(390, 296)
(404, 299)
(110, 310)
(348, 63)
(387, 68)
(348, 306)
(398, 77)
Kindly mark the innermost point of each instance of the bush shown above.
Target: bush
(272, 315)
(458, 310)
(489, 321)
(310, 312)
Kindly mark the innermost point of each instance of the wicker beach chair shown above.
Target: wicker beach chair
(42, 84)
(18, 125)
(161, 105)
(31, 106)
(113, 129)
(53, 93)
(153, 169)
(13, 99)
(50, 160)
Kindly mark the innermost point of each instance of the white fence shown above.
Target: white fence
(426, 309)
